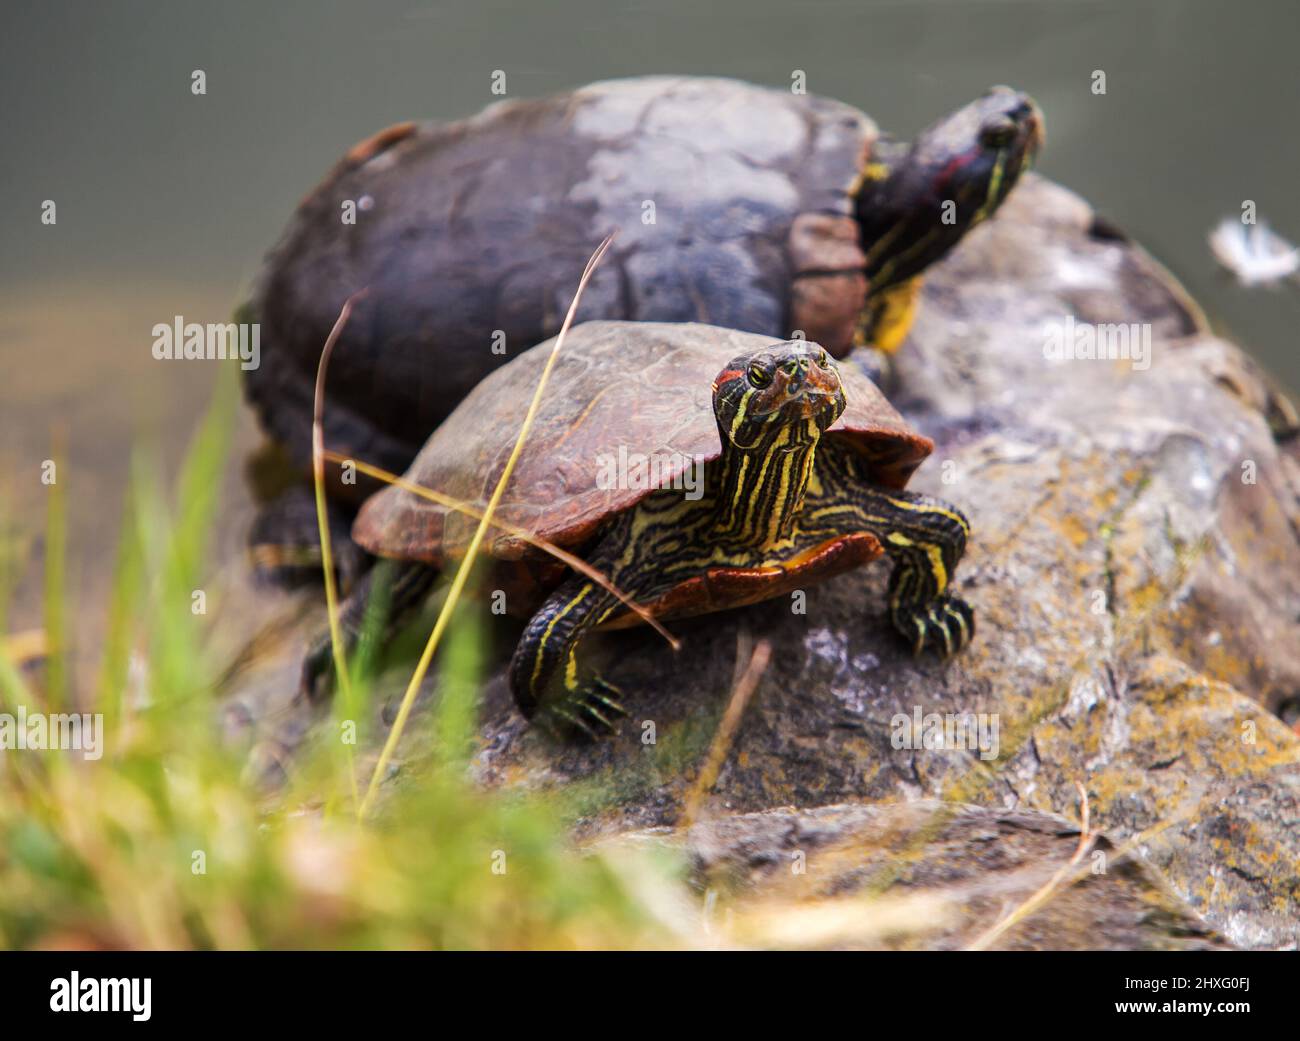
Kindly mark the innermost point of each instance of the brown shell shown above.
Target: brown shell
(485, 225)
(641, 387)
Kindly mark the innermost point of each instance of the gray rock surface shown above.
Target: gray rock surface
(965, 866)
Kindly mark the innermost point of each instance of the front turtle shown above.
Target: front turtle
(737, 205)
(803, 467)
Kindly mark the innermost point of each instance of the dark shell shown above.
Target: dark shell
(486, 224)
(645, 388)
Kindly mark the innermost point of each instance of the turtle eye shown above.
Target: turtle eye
(998, 134)
(759, 376)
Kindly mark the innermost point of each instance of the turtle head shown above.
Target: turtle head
(784, 394)
(915, 203)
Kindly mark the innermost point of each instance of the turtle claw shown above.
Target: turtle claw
(559, 721)
(591, 711)
(945, 624)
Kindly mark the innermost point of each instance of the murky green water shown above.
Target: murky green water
(167, 200)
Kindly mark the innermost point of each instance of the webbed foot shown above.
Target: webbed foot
(945, 624)
(588, 711)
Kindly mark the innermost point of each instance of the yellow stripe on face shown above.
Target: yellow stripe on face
(742, 410)
(995, 182)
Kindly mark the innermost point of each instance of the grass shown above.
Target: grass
(466, 566)
(162, 844)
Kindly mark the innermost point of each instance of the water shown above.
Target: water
(166, 200)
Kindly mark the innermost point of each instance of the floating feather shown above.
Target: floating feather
(1253, 252)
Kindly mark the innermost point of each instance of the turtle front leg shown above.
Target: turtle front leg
(924, 537)
(544, 677)
(920, 608)
(888, 316)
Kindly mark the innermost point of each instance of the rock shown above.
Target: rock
(973, 863)
(1135, 568)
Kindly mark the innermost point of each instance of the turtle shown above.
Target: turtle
(800, 471)
(284, 541)
(737, 205)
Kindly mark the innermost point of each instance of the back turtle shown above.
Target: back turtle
(801, 467)
(737, 205)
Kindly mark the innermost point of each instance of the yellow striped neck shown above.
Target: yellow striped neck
(760, 489)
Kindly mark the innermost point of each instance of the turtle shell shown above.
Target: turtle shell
(732, 203)
(619, 390)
